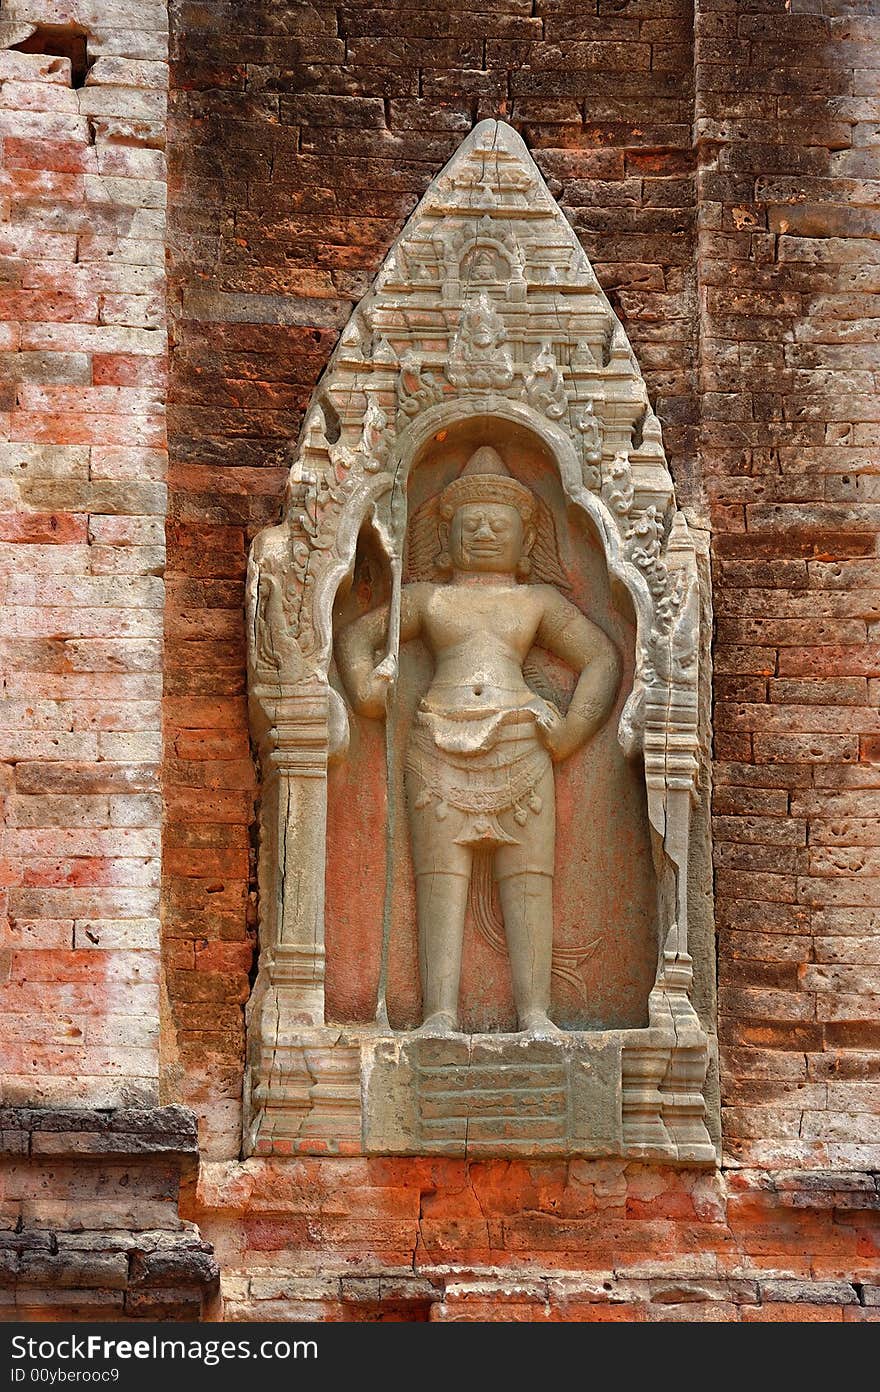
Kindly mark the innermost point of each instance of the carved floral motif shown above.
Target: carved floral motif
(417, 389)
(586, 421)
(617, 487)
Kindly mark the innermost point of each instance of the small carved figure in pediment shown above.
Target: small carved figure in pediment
(582, 358)
(483, 265)
(479, 358)
(545, 387)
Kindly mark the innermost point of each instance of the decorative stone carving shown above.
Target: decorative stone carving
(617, 488)
(483, 256)
(479, 358)
(479, 760)
(481, 442)
(415, 389)
(545, 387)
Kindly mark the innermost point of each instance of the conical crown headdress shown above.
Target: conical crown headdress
(486, 478)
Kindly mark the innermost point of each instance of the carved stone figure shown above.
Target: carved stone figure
(484, 265)
(479, 762)
(544, 385)
(479, 358)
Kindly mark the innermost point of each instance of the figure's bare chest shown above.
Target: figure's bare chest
(495, 615)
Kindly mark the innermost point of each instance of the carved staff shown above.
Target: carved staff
(390, 524)
(387, 668)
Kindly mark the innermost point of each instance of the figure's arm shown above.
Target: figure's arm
(359, 651)
(569, 635)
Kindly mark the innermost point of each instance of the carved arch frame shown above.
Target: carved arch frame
(307, 1081)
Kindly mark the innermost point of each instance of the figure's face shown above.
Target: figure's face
(486, 537)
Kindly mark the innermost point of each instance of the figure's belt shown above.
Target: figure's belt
(470, 732)
(482, 777)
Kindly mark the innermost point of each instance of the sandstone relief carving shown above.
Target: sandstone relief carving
(474, 677)
(480, 757)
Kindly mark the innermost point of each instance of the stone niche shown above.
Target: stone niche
(474, 679)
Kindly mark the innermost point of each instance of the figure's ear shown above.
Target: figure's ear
(443, 560)
(524, 568)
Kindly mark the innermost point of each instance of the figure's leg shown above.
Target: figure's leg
(527, 905)
(443, 872)
(441, 899)
(525, 884)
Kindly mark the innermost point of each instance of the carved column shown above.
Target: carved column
(293, 757)
(290, 722)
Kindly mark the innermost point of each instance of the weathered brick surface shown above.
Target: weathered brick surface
(82, 496)
(89, 1221)
(299, 145)
(790, 422)
(721, 170)
(584, 1241)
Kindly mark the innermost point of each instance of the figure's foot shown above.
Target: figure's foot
(538, 1025)
(438, 1026)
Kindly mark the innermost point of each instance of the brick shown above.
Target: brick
(317, 131)
(64, 833)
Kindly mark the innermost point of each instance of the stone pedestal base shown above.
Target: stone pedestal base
(632, 1093)
(495, 1094)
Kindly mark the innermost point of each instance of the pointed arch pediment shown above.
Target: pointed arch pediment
(485, 308)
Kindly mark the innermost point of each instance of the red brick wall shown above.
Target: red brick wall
(300, 142)
(788, 268)
(506, 1240)
(726, 193)
(82, 462)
